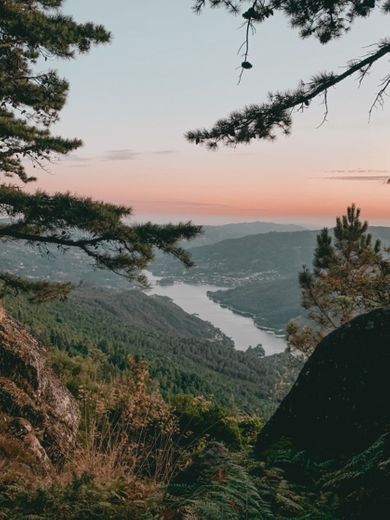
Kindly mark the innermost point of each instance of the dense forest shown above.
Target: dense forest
(185, 354)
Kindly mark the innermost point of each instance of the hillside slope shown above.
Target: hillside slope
(271, 303)
(189, 356)
(214, 234)
(236, 260)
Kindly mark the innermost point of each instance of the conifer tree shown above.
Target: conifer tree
(351, 275)
(322, 19)
(31, 32)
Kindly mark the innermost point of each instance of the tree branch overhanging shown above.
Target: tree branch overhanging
(264, 121)
(100, 230)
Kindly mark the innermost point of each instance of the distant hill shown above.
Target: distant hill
(232, 261)
(226, 262)
(261, 272)
(213, 234)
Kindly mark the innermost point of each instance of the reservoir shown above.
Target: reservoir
(242, 330)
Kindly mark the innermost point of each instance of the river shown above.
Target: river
(242, 330)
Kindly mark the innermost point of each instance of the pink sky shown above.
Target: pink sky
(133, 117)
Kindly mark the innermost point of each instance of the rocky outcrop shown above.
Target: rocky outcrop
(38, 415)
(339, 406)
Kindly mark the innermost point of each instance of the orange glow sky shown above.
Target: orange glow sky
(132, 101)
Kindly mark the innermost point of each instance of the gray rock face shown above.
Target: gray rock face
(339, 404)
(36, 409)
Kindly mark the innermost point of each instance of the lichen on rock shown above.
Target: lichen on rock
(38, 416)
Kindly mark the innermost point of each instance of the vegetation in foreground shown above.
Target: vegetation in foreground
(139, 457)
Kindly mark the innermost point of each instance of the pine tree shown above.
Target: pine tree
(321, 19)
(351, 275)
(31, 32)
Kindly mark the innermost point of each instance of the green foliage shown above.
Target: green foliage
(37, 291)
(322, 19)
(86, 372)
(30, 104)
(95, 228)
(200, 420)
(214, 486)
(82, 498)
(31, 101)
(189, 361)
(350, 275)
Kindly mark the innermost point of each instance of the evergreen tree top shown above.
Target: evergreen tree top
(31, 32)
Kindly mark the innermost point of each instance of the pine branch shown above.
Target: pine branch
(264, 121)
(98, 229)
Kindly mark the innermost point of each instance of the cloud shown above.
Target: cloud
(206, 206)
(358, 170)
(128, 154)
(361, 178)
(163, 152)
(125, 154)
(190, 203)
(73, 157)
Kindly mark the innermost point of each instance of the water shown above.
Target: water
(242, 330)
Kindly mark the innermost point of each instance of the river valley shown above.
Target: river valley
(242, 330)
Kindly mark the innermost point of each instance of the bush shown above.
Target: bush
(200, 420)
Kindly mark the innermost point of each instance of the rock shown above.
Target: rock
(36, 409)
(338, 406)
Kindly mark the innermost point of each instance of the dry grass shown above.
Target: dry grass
(128, 431)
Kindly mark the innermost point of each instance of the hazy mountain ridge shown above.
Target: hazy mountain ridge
(260, 272)
(214, 234)
(250, 257)
(228, 262)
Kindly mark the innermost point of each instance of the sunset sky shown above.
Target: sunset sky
(168, 71)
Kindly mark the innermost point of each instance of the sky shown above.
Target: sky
(168, 70)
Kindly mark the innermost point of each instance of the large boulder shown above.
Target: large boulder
(38, 415)
(339, 404)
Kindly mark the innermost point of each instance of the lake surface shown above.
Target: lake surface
(242, 330)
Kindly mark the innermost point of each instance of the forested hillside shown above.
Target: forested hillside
(186, 355)
(234, 261)
(271, 303)
(260, 272)
(253, 257)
